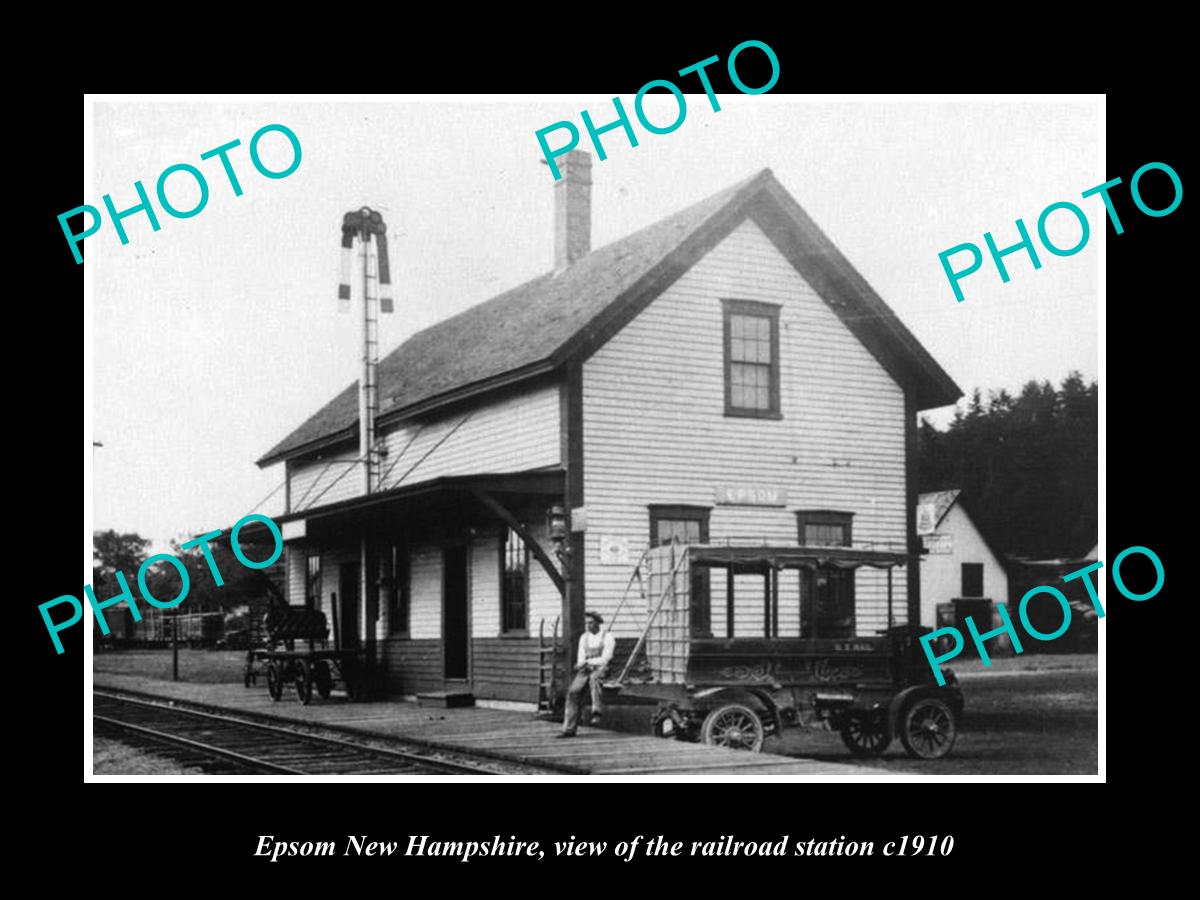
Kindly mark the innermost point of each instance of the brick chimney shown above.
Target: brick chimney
(573, 208)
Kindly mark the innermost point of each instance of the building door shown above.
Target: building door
(455, 634)
(348, 604)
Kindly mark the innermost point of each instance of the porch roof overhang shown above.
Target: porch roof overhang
(549, 481)
(793, 557)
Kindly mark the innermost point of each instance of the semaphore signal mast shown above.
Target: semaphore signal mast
(363, 224)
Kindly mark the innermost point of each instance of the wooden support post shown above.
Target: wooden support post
(774, 601)
(729, 601)
(766, 603)
(889, 571)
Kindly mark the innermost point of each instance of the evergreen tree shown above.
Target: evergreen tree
(1027, 466)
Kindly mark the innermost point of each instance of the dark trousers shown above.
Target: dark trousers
(592, 678)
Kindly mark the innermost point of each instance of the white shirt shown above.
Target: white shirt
(596, 649)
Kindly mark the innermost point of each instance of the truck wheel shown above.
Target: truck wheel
(865, 734)
(274, 682)
(928, 728)
(735, 727)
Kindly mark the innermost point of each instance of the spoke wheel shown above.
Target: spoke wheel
(322, 680)
(865, 734)
(928, 729)
(735, 727)
(274, 682)
(304, 682)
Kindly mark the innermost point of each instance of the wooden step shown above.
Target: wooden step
(446, 699)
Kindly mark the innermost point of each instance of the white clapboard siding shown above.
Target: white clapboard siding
(485, 585)
(297, 574)
(425, 616)
(511, 435)
(326, 480)
(655, 429)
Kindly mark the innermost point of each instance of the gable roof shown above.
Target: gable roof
(566, 315)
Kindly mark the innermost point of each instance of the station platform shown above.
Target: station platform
(499, 734)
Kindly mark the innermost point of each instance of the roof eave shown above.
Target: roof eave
(321, 443)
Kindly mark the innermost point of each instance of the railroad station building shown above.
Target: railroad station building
(722, 376)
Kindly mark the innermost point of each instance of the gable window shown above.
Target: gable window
(686, 525)
(395, 583)
(514, 584)
(824, 528)
(972, 579)
(751, 359)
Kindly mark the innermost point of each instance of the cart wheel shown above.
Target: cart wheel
(322, 680)
(928, 728)
(304, 682)
(735, 727)
(274, 682)
(865, 734)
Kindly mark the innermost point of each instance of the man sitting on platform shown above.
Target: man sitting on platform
(595, 653)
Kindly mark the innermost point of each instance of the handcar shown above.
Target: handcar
(734, 691)
(319, 667)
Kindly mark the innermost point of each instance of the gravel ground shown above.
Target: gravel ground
(114, 758)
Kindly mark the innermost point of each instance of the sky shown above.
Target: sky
(217, 335)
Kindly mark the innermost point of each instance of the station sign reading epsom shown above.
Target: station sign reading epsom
(751, 495)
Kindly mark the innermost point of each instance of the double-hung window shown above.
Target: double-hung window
(751, 359)
(514, 584)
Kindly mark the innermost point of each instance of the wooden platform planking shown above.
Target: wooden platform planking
(517, 736)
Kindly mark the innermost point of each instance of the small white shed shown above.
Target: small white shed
(958, 563)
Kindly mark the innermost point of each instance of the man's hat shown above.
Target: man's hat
(591, 614)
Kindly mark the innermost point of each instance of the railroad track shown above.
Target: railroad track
(220, 744)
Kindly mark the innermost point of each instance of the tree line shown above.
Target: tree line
(1027, 466)
(114, 552)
